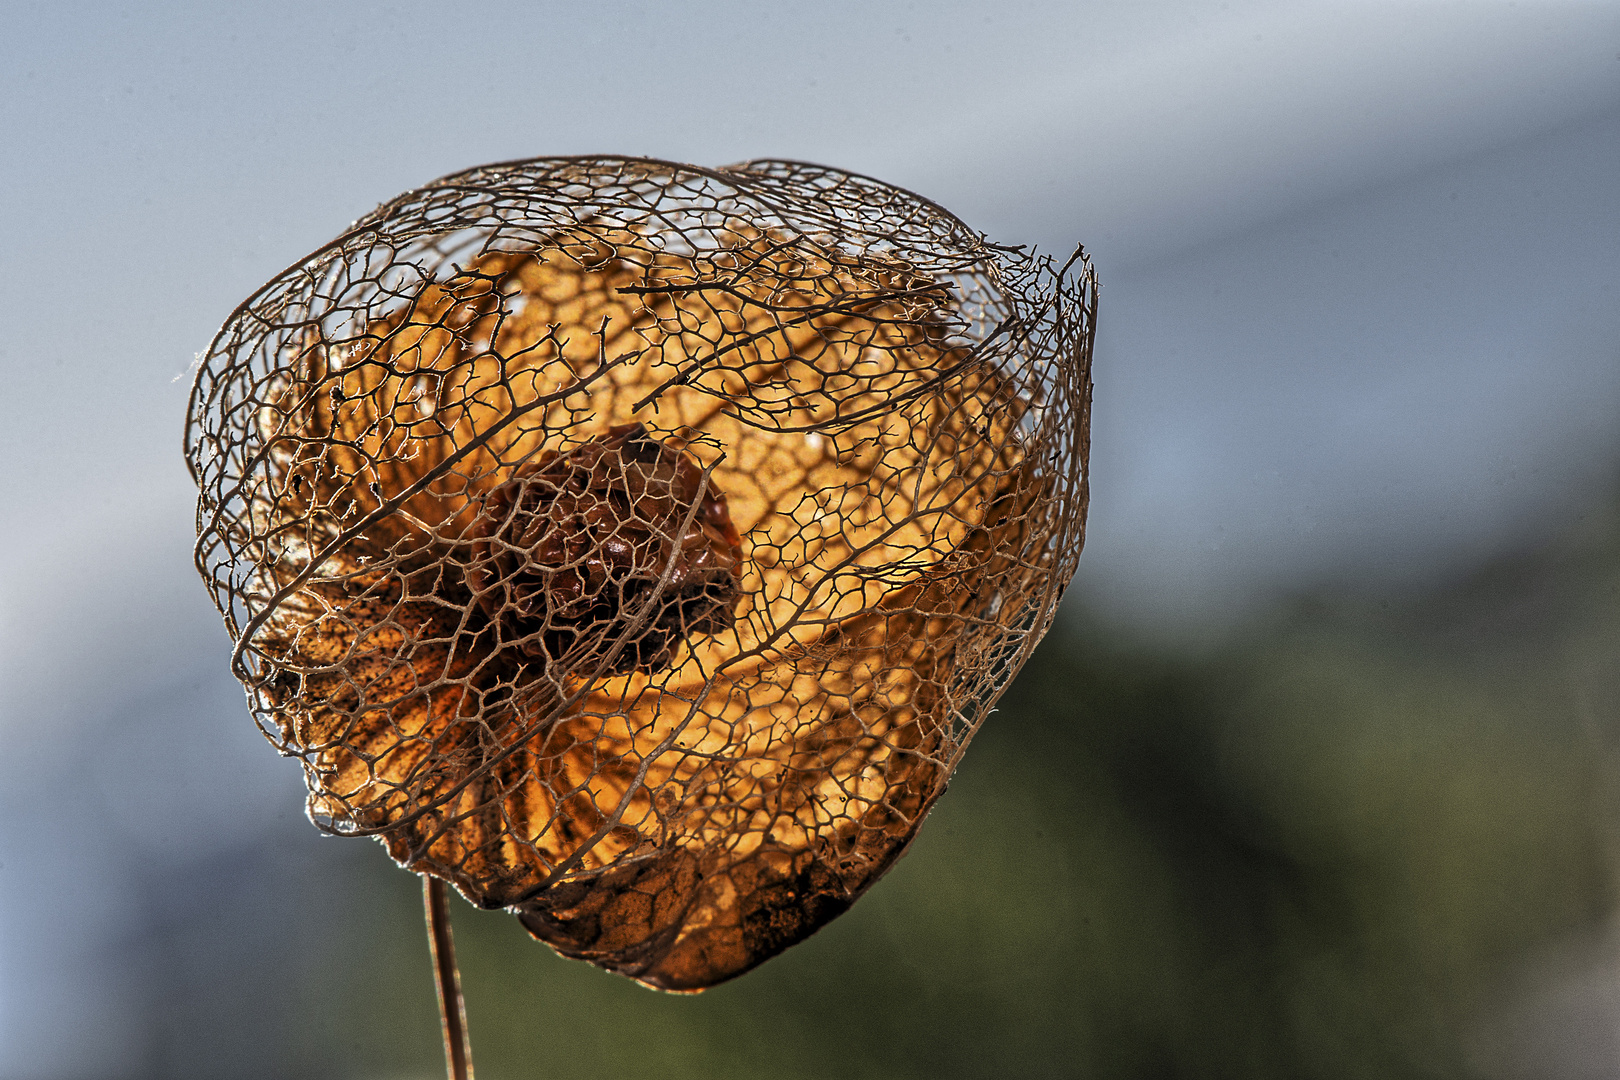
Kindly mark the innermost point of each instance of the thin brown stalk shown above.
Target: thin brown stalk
(446, 977)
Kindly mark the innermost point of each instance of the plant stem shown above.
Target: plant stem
(452, 1013)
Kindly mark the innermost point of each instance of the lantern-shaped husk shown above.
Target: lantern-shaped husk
(637, 546)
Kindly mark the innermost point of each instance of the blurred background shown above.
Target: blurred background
(1318, 775)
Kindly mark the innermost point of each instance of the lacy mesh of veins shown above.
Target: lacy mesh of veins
(637, 546)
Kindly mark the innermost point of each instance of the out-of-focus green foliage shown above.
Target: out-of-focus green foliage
(1314, 852)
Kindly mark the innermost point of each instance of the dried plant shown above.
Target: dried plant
(637, 546)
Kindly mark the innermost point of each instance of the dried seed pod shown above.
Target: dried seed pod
(637, 546)
(570, 550)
